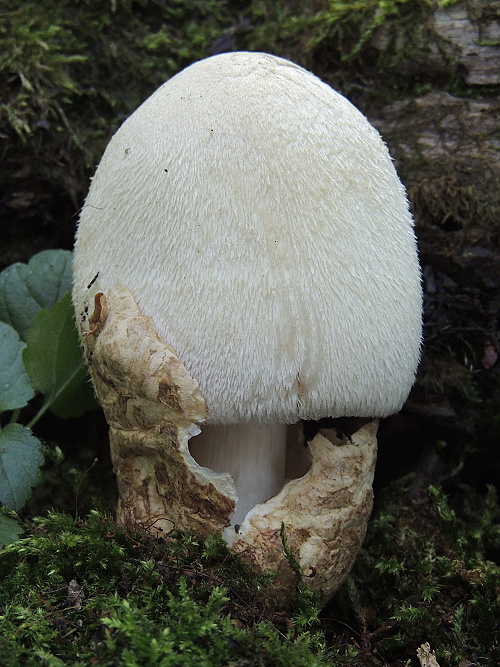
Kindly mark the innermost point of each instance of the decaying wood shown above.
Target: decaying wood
(460, 39)
(475, 33)
(438, 127)
(426, 656)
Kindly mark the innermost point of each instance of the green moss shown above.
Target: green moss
(447, 375)
(72, 66)
(343, 39)
(71, 72)
(305, 601)
(424, 576)
(74, 592)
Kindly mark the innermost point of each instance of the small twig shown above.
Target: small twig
(455, 330)
(94, 462)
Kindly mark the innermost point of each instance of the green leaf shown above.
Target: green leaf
(54, 361)
(20, 460)
(15, 385)
(27, 288)
(9, 529)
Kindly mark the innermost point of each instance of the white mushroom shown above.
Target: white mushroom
(255, 215)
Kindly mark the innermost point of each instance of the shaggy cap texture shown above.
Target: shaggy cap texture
(256, 216)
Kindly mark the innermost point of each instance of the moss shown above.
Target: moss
(70, 73)
(88, 592)
(350, 42)
(424, 575)
(67, 55)
(74, 592)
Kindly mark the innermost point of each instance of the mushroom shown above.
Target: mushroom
(248, 220)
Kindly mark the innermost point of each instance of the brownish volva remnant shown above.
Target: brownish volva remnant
(153, 407)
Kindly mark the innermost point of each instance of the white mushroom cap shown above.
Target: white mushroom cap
(256, 216)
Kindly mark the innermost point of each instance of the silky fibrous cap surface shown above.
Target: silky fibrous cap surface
(256, 216)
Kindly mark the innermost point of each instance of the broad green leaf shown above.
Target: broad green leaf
(53, 359)
(20, 460)
(9, 529)
(15, 386)
(27, 288)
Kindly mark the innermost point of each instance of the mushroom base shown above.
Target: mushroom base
(153, 407)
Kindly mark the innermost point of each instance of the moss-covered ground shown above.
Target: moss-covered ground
(82, 591)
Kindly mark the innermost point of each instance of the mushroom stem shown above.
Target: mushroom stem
(254, 456)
